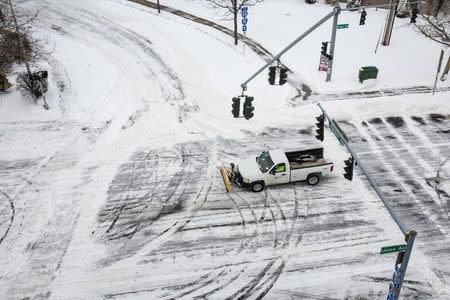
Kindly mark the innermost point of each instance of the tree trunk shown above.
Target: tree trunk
(19, 38)
(438, 7)
(235, 15)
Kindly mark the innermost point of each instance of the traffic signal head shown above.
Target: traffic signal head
(324, 48)
(248, 108)
(362, 20)
(414, 13)
(272, 73)
(283, 75)
(320, 127)
(348, 168)
(235, 106)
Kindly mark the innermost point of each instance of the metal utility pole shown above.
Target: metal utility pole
(19, 37)
(337, 10)
(390, 22)
(404, 256)
(159, 8)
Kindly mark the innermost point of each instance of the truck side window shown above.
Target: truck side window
(280, 168)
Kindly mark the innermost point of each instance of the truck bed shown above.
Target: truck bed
(297, 165)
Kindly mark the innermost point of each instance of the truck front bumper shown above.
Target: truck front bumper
(236, 177)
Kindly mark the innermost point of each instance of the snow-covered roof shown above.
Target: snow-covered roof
(277, 156)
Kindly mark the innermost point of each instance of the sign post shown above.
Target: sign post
(404, 253)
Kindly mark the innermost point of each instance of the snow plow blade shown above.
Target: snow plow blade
(226, 180)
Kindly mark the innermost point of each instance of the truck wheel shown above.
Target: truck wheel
(257, 186)
(313, 179)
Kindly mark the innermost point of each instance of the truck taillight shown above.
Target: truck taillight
(331, 168)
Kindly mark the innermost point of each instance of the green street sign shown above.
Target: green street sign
(341, 26)
(391, 249)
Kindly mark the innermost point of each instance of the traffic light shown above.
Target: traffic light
(348, 168)
(248, 108)
(272, 73)
(320, 127)
(283, 75)
(414, 13)
(362, 20)
(235, 106)
(324, 48)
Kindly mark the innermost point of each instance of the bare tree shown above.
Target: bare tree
(16, 42)
(18, 45)
(231, 8)
(436, 27)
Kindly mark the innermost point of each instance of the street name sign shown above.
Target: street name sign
(342, 26)
(391, 249)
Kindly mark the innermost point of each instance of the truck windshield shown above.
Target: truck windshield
(264, 162)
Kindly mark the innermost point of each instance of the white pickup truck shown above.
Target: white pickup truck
(278, 167)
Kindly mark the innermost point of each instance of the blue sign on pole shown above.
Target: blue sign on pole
(397, 278)
(244, 14)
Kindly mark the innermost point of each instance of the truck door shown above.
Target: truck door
(277, 175)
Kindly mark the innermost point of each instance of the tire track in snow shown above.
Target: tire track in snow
(180, 187)
(273, 215)
(150, 187)
(264, 281)
(236, 206)
(270, 279)
(166, 234)
(431, 216)
(11, 219)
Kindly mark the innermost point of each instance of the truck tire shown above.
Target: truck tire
(313, 179)
(257, 186)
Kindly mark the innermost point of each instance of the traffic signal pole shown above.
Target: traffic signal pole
(337, 10)
(410, 235)
(301, 37)
(372, 183)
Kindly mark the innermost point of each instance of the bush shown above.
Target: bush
(34, 86)
(4, 82)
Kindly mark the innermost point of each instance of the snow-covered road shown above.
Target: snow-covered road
(404, 154)
(118, 195)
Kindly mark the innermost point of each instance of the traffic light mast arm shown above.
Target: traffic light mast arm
(277, 57)
(372, 183)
